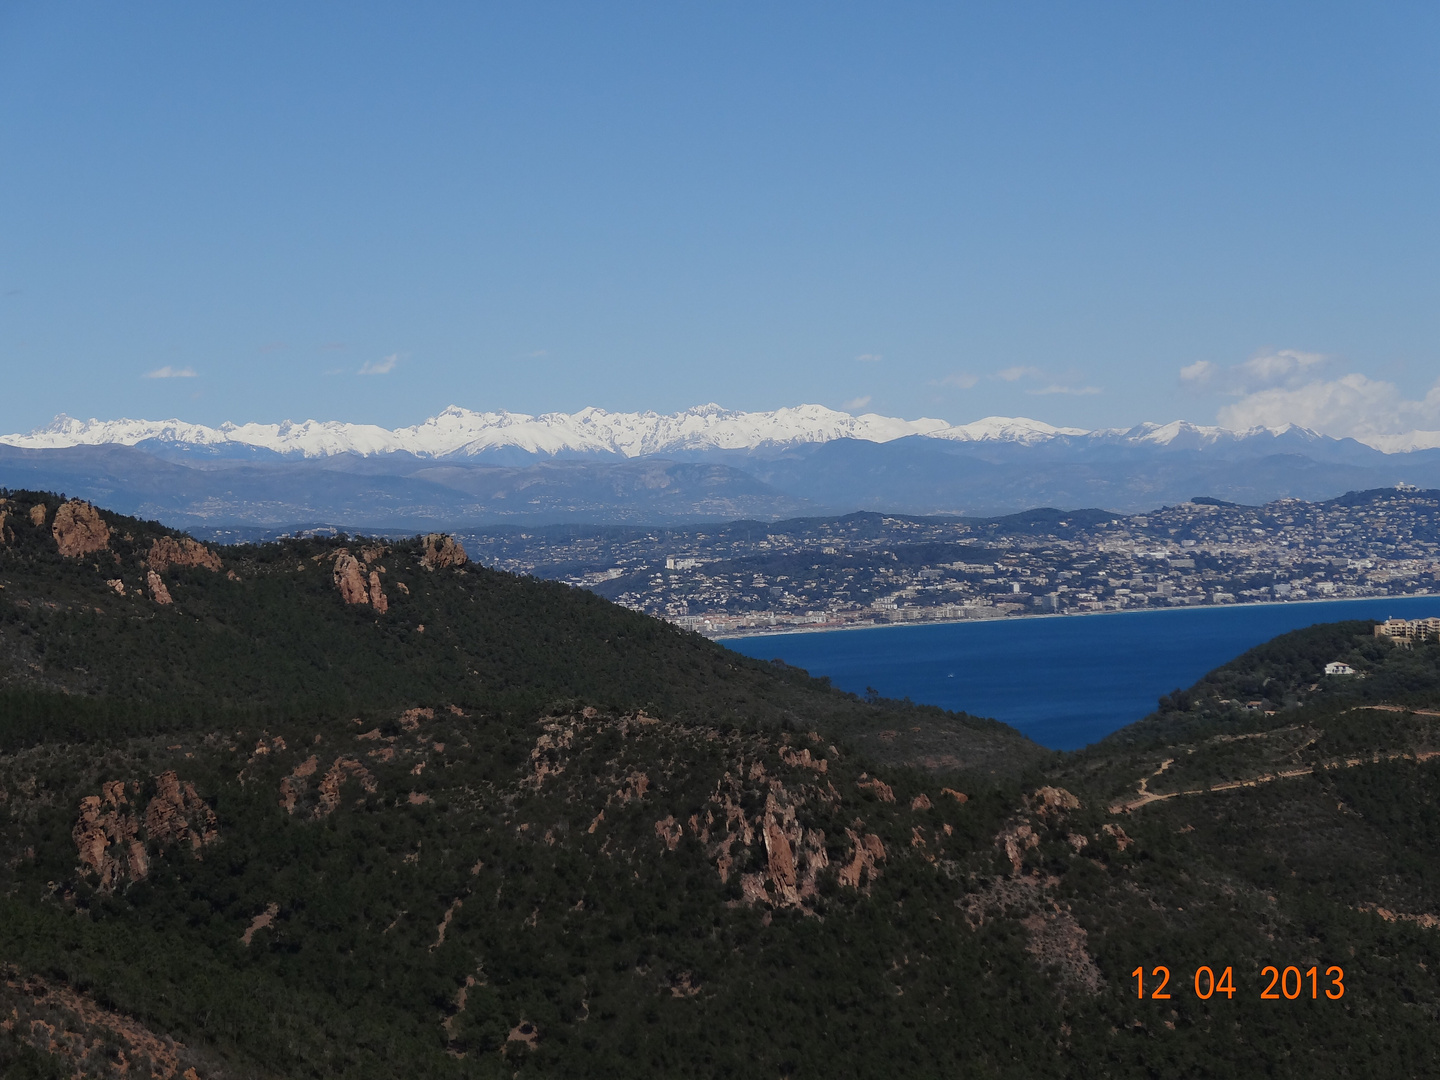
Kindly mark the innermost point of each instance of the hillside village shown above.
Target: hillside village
(866, 569)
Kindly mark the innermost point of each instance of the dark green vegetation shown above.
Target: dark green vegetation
(279, 644)
(306, 838)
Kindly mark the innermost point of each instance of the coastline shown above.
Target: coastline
(1067, 615)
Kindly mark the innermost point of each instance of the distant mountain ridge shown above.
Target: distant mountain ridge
(456, 431)
(461, 468)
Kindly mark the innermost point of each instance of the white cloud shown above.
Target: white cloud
(1276, 387)
(1056, 388)
(168, 372)
(856, 403)
(1354, 405)
(963, 380)
(1011, 374)
(870, 358)
(380, 367)
(1267, 369)
(1277, 367)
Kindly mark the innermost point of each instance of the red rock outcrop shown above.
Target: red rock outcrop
(803, 760)
(794, 856)
(107, 832)
(79, 529)
(117, 585)
(292, 787)
(290, 792)
(440, 551)
(1015, 841)
(726, 820)
(177, 814)
(350, 579)
(168, 551)
(684, 985)
(1118, 834)
(378, 600)
(861, 869)
(105, 822)
(1425, 921)
(958, 796)
(335, 777)
(545, 758)
(37, 515)
(356, 587)
(7, 534)
(158, 592)
(670, 831)
(920, 802)
(410, 718)
(636, 784)
(882, 790)
(1052, 802)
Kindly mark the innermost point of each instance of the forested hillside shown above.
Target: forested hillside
(343, 808)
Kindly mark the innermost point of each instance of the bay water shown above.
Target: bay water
(1065, 681)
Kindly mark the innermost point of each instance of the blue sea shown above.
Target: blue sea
(1065, 681)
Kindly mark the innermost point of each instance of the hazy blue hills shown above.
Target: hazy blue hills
(913, 474)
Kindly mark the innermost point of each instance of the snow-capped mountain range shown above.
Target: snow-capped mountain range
(465, 433)
(461, 468)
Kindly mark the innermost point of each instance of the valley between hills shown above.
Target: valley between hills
(343, 806)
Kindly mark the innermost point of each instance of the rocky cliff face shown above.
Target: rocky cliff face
(79, 529)
(168, 551)
(177, 815)
(295, 788)
(108, 834)
(350, 579)
(756, 825)
(441, 551)
(106, 837)
(358, 587)
(378, 599)
(159, 592)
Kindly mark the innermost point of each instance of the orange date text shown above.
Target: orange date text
(1277, 984)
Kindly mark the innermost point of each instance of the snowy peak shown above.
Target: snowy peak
(457, 431)
(1016, 429)
(461, 431)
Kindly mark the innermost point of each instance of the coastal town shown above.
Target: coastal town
(873, 569)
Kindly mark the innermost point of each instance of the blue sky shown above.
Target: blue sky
(368, 212)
